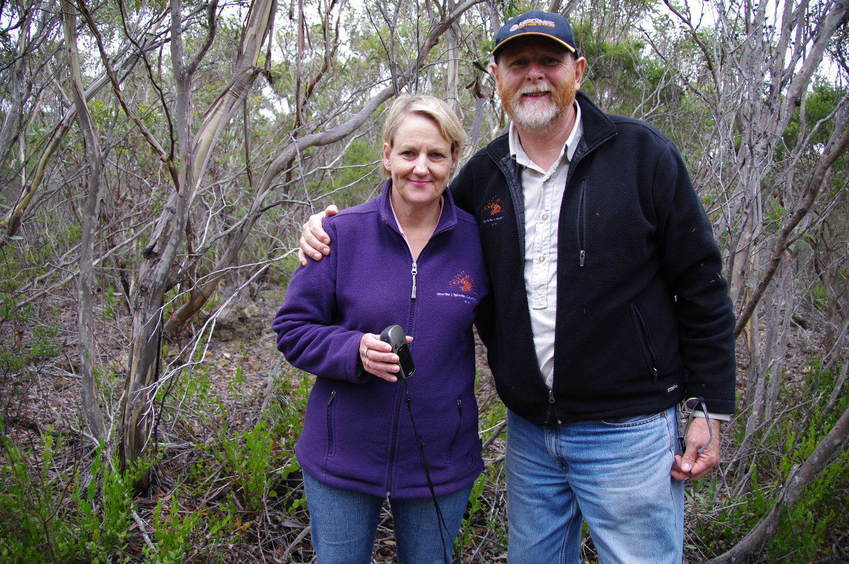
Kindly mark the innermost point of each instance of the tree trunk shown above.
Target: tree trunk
(89, 404)
(192, 155)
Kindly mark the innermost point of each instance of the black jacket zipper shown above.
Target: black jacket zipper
(582, 225)
(551, 416)
(644, 337)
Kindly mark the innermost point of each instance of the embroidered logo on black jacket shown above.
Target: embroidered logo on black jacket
(492, 211)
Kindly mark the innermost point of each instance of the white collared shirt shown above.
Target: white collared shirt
(543, 192)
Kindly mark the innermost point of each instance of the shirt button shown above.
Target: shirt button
(545, 217)
(542, 258)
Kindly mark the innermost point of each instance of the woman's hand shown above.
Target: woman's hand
(377, 357)
(314, 239)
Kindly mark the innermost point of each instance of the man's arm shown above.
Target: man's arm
(691, 263)
(314, 242)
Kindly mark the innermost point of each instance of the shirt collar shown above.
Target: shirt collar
(522, 158)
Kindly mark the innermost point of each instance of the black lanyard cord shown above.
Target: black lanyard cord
(446, 554)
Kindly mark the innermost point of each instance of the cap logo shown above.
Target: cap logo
(532, 21)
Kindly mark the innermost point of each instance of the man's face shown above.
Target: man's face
(537, 80)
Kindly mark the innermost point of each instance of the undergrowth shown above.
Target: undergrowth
(717, 518)
(226, 485)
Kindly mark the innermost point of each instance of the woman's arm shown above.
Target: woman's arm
(310, 340)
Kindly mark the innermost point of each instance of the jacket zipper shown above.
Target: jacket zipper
(457, 430)
(414, 270)
(331, 445)
(644, 335)
(393, 453)
(552, 413)
(582, 257)
(582, 226)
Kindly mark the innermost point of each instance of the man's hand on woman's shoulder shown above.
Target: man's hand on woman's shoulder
(314, 240)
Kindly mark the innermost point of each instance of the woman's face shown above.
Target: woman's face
(419, 162)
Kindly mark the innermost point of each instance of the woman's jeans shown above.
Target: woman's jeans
(343, 524)
(612, 474)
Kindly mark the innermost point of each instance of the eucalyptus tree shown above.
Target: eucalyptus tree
(94, 156)
(768, 171)
(31, 32)
(29, 37)
(38, 113)
(185, 153)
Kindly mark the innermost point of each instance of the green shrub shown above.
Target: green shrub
(801, 534)
(174, 531)
(47, 515)
(248, 457)
(105, 507)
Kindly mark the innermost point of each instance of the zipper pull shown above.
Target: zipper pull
(582, 255)
(551, 411)
(414, 270)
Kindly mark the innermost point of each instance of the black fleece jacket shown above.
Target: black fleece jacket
(643, 314)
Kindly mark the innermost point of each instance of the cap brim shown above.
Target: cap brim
(537, 33)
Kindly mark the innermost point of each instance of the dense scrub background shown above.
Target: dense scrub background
(157, 160)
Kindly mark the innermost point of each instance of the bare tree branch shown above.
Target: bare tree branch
(835, 147)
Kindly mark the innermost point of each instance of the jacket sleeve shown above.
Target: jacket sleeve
(308, 333)
(691, 263)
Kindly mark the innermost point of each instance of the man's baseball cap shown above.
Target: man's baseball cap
(544, 24)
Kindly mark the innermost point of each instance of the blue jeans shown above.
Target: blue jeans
(343, 524)
(613, 474)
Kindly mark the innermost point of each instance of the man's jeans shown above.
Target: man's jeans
(343, 524)
(614, 474)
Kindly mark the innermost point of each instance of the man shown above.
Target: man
(609, 308)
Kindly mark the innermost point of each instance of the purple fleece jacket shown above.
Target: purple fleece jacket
(357, 432)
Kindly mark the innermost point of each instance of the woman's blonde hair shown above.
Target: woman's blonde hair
(431, 107)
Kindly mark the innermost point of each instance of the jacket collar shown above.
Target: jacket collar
(447, 220)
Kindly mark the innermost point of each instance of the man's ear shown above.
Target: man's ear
(493, 70)
(580, 69)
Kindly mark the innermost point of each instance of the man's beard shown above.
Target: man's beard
(532, 114)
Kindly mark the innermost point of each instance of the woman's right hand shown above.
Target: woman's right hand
(377, 357)
(314, 240)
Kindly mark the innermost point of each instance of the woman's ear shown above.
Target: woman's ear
(387, 150)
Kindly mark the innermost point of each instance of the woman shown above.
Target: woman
(408, 257)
